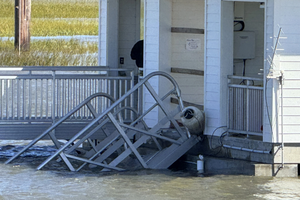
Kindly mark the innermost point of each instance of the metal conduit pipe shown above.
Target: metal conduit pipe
(246, 149)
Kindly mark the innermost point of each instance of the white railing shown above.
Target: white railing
(46, 94)
(245, 105)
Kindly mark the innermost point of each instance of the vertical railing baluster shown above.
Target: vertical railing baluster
(92, 92)
(30, 99)
(76, 96)
(1, 99)
(247, 108)
(68, 98)
(127, 100)
(115, 89)
(109, 91)
(83, 96)
(98, 99)
(24, 98)
(53, 97)
(104, 86)
(89, 92)
(47, 98)
(42, 97)
(6, 102)
(79, 99)
(18, 99)
(12, 98)
(73, 93)
(57, 98)
(228, 104)
(132, 96)
(36, 98)
(7, 99)
(119, 93)
(63, 96)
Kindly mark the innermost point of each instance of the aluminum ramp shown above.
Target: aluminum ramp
(125, 143)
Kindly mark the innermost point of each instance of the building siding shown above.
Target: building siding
(291, 97)
(188, 14)
(164, 49)
(287, 59)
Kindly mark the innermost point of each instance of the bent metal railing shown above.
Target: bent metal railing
(37, 95)
(49, 131)
(124, 139)
(245, 105)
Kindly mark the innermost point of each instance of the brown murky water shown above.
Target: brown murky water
(20, 180)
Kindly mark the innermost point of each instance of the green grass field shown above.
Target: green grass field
(52, 18)
(50, 53)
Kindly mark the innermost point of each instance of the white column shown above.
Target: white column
(151, 54)
(102, 53)
(109, 33)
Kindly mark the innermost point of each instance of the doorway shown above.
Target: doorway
(245, 88)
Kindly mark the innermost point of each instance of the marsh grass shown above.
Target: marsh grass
(47, 27)
(50, 27)
(50, 53)
(64, 9)
(50, 18)
(7, 8)
(7, 27)
(54, 8)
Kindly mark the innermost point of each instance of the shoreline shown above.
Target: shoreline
(82, 38)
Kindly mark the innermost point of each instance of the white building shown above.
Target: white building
(240, 39)
(169, 26)
(264, 19)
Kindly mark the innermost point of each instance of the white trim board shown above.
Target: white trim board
(263, 1)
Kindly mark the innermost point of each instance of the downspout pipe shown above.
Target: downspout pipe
(246, 149)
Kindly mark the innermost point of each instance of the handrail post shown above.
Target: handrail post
(29, 96)
(228, 104)
(247, 107)
(53, 96)
(140, 98)
(132, 98)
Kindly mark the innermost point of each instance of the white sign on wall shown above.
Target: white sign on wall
(193, 44)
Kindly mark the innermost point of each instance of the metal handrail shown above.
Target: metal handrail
(245, 107)
(244, 78)
(30, 94)
(64, 68)
(106, 115)
(55, 125)
(108, 111)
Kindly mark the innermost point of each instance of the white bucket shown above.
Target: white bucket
(200, 164)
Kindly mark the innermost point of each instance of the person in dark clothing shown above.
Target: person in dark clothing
(137, 53)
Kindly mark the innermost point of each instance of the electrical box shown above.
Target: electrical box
(244, 45)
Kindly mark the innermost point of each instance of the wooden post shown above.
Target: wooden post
(22, 24)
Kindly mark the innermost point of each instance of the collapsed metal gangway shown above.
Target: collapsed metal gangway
(153, 147)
